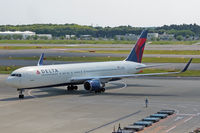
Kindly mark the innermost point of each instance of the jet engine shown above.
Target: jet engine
(93, 85)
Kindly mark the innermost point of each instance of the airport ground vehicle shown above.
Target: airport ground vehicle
(162, 116)
(143, 123)
(152, 119)
(134, 128)
(169, 112)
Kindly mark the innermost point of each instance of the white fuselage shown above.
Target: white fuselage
(47, 75)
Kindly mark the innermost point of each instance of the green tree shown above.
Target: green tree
(170, 38)
(158, 39)
(153, 39)
(35, 37)
(115, 38)
(43, 38)
(17, 37)
(179, 38)
(62, 38)
(28, 38)
(1, 37)
(122, 38)
(7, 37)
(57, 30)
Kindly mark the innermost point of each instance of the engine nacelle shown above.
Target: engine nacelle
(92, 85)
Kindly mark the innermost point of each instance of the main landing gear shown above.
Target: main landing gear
(100, 91)
(72, 87)
(21, 95)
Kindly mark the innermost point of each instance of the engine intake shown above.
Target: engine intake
(92, 85)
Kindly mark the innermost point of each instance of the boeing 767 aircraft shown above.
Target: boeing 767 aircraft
(92, 75)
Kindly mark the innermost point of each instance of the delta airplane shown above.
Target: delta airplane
(93, 76)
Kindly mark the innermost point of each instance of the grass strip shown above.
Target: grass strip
(8, 69)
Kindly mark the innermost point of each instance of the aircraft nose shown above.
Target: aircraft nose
(11, 81)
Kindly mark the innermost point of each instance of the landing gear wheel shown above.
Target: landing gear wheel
(99, 91)
(71, 88)
(96, 92)
(103, 90)
(75, 87)
(21, 95)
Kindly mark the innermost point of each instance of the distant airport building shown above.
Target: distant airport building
(24, 34)
(69, 36)
(127, 37)
(166, 36)
(47, 36)
(86, 37)
(152, 36)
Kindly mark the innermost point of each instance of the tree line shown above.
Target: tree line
(59, 30)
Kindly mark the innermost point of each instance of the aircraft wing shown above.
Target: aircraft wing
(118, 77)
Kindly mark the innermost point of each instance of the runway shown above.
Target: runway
(51, 110)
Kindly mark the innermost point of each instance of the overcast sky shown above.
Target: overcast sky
(138, 13)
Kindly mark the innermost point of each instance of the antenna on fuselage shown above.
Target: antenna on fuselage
(40, 61)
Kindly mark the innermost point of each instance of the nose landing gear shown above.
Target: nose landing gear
(21, 95)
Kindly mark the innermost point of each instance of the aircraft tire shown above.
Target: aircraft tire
(75, 87)
(96, 92)
(21, 96)
(103, 90)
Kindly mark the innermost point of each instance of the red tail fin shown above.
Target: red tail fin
(137, 52)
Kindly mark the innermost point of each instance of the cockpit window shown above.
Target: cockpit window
(16, 75)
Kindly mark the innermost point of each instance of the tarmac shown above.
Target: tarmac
(51, 110)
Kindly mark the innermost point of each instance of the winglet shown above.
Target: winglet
(187, 65)
(40, 61)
